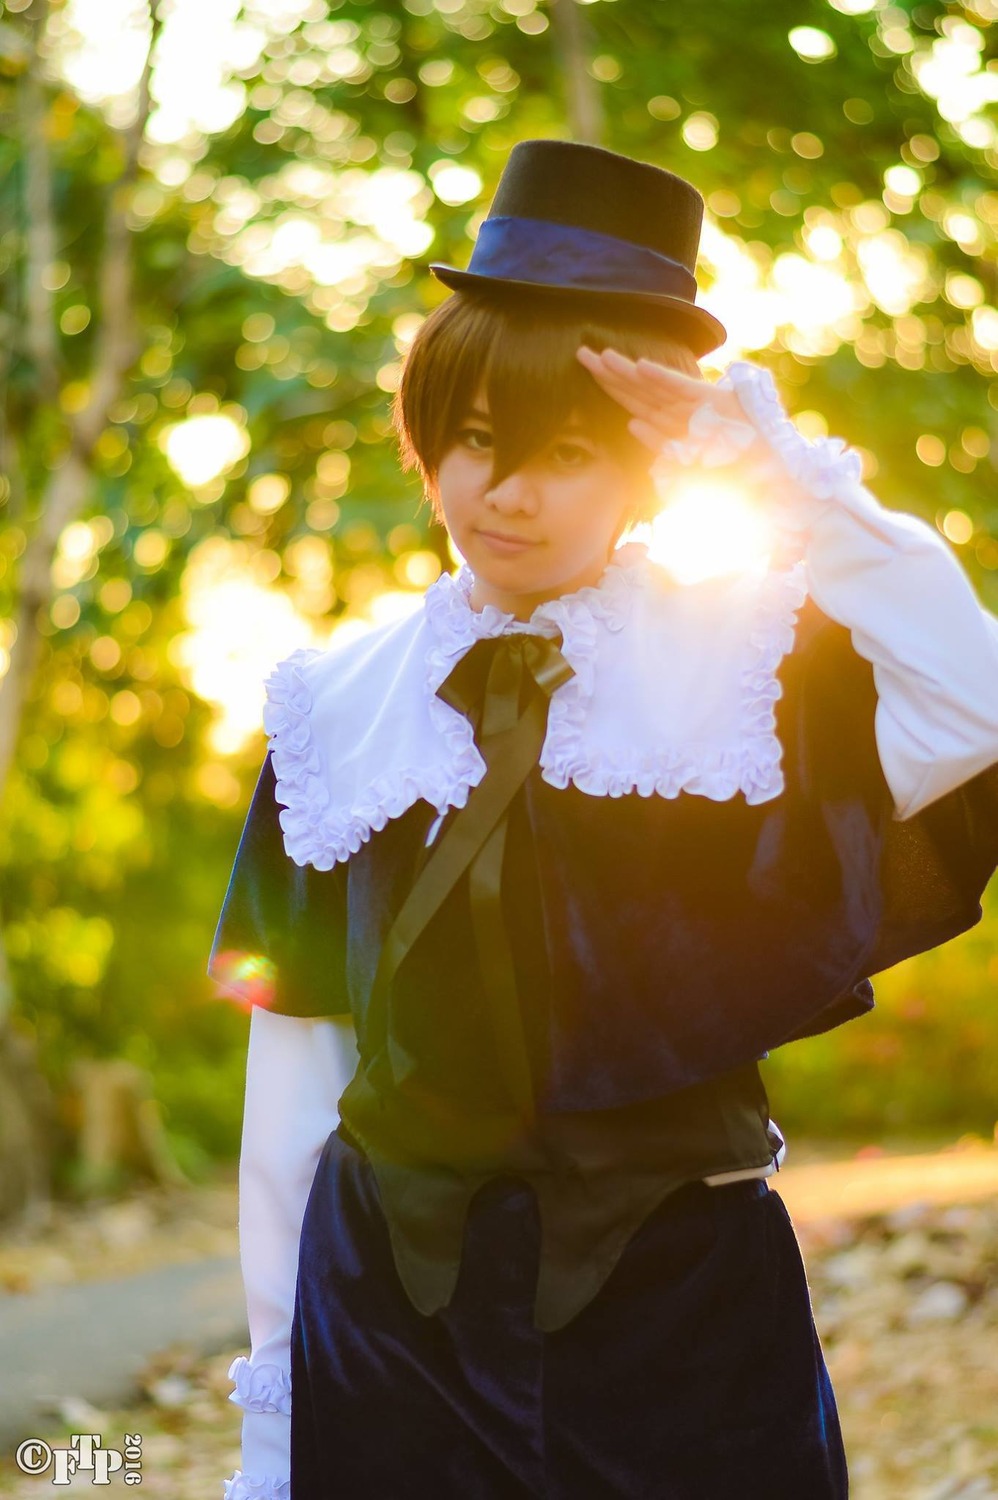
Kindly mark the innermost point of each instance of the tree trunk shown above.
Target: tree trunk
(27, 1114)
(120, 1131)
(28, 1130)
(583, 102)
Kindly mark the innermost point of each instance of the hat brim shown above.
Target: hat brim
(701, 330)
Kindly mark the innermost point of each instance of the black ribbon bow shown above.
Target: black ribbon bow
(504, 683)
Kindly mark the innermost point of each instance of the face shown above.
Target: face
(547, 529)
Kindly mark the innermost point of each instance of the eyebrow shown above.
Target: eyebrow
(573, 426)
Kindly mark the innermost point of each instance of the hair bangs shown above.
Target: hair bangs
(534, 383)
(520, 352)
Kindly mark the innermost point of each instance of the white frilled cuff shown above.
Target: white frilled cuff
(817, 468)
(820, 467)
(296, 1069)
(260, 1388)
(265, 1458)
(256, 1487)
(888, 576)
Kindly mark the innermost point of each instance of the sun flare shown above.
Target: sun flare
(709, 527)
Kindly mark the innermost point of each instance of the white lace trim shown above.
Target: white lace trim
(316, 833)
(711, 440)
(820, 468)
(457, 626)
(822, 465)
(256, 1487)
(297, 768)
(432, 755)
(754, 767)
(260, 1388)
(771, 638)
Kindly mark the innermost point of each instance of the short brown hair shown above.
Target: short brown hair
(523, 349)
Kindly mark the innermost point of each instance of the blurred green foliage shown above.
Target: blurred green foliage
(120, 818)
(924, 1061)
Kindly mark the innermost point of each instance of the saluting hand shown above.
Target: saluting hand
(684, 421)
(664, 402)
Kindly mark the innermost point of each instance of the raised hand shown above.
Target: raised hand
(671, 408)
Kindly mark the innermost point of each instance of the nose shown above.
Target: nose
(514, 495)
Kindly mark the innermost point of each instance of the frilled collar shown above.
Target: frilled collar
(672, 691)
(457, 624)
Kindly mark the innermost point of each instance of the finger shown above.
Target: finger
(639, 405)
(672, 418)
(646, 378)
(674, 380)
(615, 358)
(647, 433)
(612, 365)
(635, 401)
(666, 388)
(628, 391)
(643, 369)
(625, 376)
(610, 360)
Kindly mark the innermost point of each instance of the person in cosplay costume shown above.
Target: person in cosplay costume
(534, 877)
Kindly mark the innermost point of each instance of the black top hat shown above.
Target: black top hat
(572, 218)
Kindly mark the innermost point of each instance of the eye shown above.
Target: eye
(572, 455)
(469, 437)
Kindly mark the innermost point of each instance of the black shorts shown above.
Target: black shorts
(695, 1373)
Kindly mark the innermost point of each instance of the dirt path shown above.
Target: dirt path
(902, 1258)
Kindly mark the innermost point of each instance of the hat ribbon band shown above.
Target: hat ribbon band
(524, 249)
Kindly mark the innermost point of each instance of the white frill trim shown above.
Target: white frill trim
(821, 467)
(314, 832)
(457, 626)
(760, 772)
(297, 769)
(711, 440)
(753, 766)
(260, 1388)
(256, 1487)
(320, 834)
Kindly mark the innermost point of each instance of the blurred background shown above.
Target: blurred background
(215, 222)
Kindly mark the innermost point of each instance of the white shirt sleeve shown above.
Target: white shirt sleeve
(898, 587)
(296, 1070)
(912, 613)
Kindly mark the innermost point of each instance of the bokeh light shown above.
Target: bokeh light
(453, 183)
(240, 627)
(331, 223)
(203, 447)
(811, 44)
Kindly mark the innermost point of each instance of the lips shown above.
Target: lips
(503, 536)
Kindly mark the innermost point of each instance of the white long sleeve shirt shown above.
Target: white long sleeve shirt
(296, 1070)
